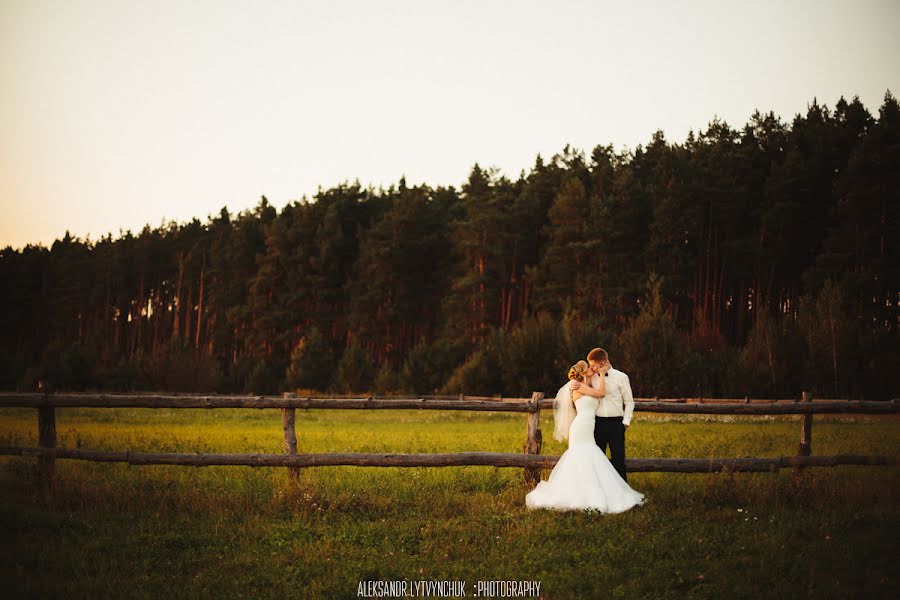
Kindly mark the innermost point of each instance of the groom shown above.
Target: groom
(614, 409)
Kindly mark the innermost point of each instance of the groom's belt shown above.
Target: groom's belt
(620, 417)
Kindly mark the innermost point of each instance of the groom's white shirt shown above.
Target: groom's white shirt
(618, 401)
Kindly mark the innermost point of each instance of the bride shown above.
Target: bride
(583, 478)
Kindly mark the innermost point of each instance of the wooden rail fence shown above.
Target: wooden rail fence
(531, 459)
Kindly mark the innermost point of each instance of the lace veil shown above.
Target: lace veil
(563, 413)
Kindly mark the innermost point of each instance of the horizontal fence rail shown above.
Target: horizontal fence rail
(677, 406)
(530, 460)
(163, 401)
(456, 459)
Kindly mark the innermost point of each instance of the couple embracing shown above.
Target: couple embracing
(592, 410)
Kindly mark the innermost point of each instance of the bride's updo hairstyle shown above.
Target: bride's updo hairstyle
(577, 370)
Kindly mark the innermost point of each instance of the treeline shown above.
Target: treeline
(761, 262)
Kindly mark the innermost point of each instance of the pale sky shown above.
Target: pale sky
(119, 113)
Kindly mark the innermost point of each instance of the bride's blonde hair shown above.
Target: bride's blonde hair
(577, 370)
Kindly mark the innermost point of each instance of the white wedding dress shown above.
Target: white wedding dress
(583, 478)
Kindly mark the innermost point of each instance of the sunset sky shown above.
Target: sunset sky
(114, 114)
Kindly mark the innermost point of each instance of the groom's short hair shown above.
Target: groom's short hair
(597, 355)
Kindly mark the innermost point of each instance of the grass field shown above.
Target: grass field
(237, 532)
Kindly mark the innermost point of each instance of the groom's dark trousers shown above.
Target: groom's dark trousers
(611, 431)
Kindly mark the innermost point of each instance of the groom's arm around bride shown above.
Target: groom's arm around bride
(618, 400)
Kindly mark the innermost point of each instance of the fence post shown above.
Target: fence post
(533, 438)
(290, 435)
(805, 447)
(47, 440)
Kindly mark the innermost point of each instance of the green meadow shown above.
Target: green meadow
(115, 530)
